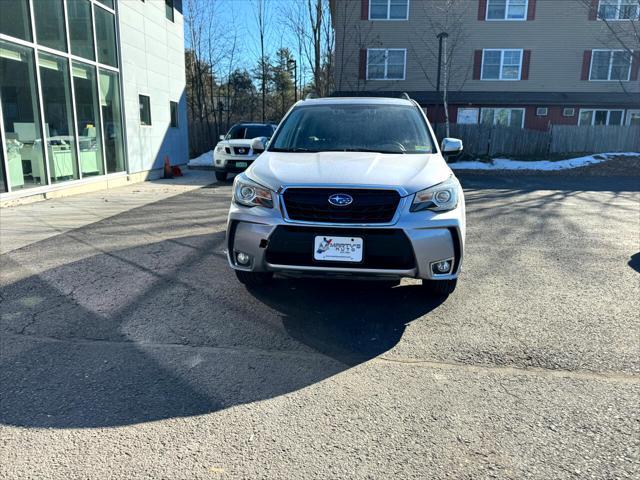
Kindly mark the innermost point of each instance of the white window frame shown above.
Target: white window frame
(502, 51)
(618, 10)
(506, 13)
(627, 120)
(594, 110)
(386, 64)
(389, 19)
(476, 111)
(493, 123)
(542, 111)
(611, 52)
(565, 110)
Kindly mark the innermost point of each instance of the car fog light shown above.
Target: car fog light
(442, 267)
(242, 258)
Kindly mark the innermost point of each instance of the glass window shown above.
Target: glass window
(88, 119)
(108, 3)
(14, 20)
(106, 37)
(619, 9)
(80, 28)
(238, 132)
(389, 9)
(501, 64)
(385, 64)
(49, 17)
(506, 117)
(507, 10)
(168, 9)
(22, 134)
(112, 118)
(601, 117)
(3, 182)
(610, 65)
(173, 111)
(633, 117)
(145, 110)
(338, 127)
(615, 117)
(59, 132)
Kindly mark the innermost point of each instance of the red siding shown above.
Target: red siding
(477, 64)
(526, 60)
(531, 11)
(364, 9)
(482, 9)
(586, 65)
(554, 117)
(362, 68)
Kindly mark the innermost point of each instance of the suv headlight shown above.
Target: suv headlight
(219, 148)
(250, 194)
(439, 198)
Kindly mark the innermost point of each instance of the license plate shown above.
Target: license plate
(241, 164)
(338, 249)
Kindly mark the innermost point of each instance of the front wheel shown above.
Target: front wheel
(440, 288)
(221, 176)
(254, 279)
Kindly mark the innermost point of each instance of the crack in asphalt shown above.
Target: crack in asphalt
(589, 375)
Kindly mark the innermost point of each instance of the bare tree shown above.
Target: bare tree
(262, 19)
(444, 26)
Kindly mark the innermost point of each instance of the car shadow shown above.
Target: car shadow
(634, 262)
(97, 333)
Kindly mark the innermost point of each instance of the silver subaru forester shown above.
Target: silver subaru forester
(350, 187)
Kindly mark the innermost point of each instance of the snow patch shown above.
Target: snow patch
(204, 160)
(543, 165)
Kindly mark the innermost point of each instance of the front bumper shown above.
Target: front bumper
(229, 163)
(423, 238)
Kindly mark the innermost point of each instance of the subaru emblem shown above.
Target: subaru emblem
(340, 199)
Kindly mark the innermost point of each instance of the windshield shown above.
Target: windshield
(240, 132)
(354, 128)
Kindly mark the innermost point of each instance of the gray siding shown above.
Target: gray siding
(557, 38)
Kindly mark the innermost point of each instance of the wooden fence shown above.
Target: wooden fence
(495, 141)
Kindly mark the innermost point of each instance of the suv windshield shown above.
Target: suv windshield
(354, 128)
(239, 132)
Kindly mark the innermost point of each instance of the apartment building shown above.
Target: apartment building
(524, 63)
(92, 94)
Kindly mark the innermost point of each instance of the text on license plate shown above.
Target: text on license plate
(338, 249)
(241, 164)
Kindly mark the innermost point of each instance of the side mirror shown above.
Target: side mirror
(451, 147)
(221, 137)
(259, 144)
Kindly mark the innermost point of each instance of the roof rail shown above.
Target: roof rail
(405, 95)
(311, 96)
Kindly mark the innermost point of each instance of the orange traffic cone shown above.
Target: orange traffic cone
(168, 172)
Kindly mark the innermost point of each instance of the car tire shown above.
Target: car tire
(221, 176)
(440, 288)
(254, 279)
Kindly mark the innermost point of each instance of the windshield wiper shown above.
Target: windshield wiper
(303, 150)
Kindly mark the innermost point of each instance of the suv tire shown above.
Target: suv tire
(221, 176)
(440, 288)
(254, 279)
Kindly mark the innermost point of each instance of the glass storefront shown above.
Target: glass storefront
(62, 118)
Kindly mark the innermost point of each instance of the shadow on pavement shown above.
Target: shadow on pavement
(124, 321)
(634, 262)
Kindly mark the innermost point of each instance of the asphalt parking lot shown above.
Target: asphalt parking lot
(129, 350)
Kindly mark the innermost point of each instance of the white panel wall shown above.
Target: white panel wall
(152, 51)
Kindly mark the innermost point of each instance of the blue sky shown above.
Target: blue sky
(240, 15)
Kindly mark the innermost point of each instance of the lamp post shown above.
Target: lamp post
(291, 62)
(441, 36)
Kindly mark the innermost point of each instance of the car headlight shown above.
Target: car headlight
(250, 194)
(439, 198)
(219, 148)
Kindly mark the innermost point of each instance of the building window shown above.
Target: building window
(619, 10)
(506, 117)
(112, 118)
(501, 64)
(14, 20)
(80, 28)
(633, 117)
(600, 117)
(468, 116)
(145, 110)
(389, 10)
(49, 16)
(85, 86)
(108, 3)
(173, 111)
(507, 9)
(168, 9)
(568, 112)
(386, 64)
(106, 37)
(542, 111)
(610, 65)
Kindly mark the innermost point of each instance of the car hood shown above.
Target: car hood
(240, 142)
(412, 172)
